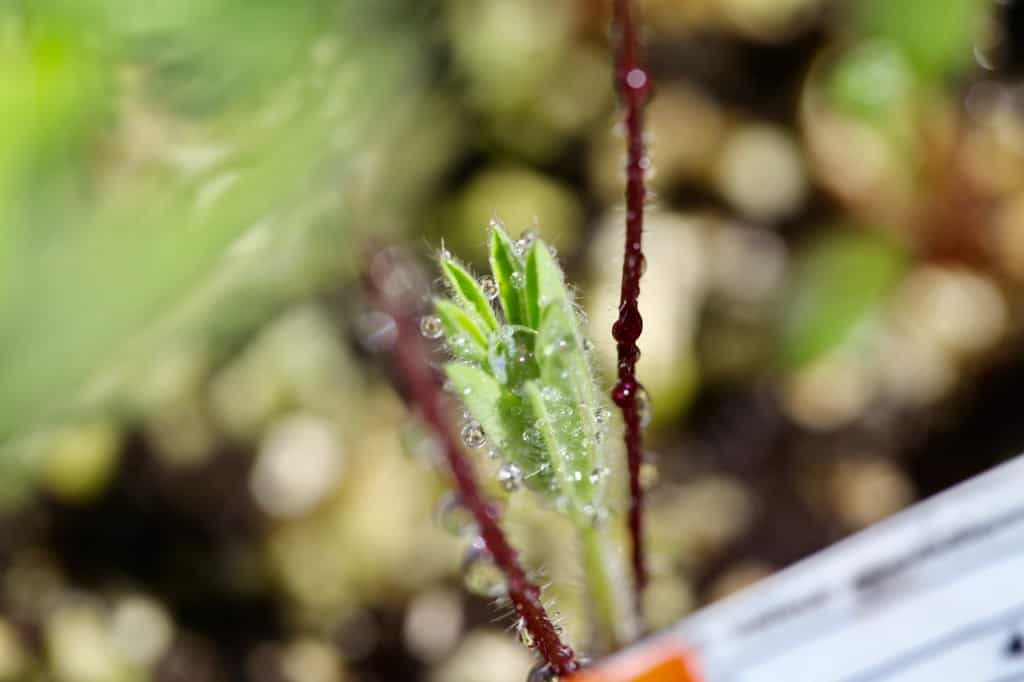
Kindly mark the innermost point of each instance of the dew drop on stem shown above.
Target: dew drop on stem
(453, 516)
(431, 327)
(473, 435)
(602, 414)
(481, 575)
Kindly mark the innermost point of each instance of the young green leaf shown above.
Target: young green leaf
(465, 338)
(468, 292)
(536, 397)
(509, 276)
(545, 282)
(506, 419)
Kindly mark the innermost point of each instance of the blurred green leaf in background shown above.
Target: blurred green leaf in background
(148, 146)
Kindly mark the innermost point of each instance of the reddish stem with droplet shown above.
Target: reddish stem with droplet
(634, 87)
(394, 289)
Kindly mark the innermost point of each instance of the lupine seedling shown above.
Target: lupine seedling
(520, 367)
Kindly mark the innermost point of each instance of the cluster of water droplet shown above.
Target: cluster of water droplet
(481, 575)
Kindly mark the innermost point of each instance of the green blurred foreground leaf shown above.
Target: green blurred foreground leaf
(840, 284)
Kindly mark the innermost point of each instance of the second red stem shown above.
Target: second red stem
(634, 86)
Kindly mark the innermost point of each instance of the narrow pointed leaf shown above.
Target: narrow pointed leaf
(544, 281)
(468, 292)
(508, 274)
(465, 338)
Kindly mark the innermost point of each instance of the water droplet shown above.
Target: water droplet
(598, 474)
(453, 516)
(600, 435)
(577, 476)
(597, 516)
(518, 279)
(636, 78)
(431, 327)
(622, 391)
(643, 407)
(602, 414)
(489, 287)
(480, 574)
(523, 633)
(496, 223)
(542, 672)
(420, 444)
(510, 476)
(588, 344)
(473, 435)
(533, 436)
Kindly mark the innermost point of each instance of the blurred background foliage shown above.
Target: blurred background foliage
(204, 478)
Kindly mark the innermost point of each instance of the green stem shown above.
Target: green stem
(603, 566)
(607, 585)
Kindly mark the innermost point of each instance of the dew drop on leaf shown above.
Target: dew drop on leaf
(431, 327)
(518, 279)
(453, 517)
(598, 474)
(496, 223)
(480, 574)
(597, 516)
(489, 287)
(473, 435)
(510, 476)
(602, 414)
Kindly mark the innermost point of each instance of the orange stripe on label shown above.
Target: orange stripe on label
(661, 664)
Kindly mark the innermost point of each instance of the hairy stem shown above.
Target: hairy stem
(634, 86)
(396, 292)
(605, 585)
(605, 578)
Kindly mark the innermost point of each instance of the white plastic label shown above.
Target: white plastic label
(934, 594)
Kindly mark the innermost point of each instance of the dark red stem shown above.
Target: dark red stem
(634, 86)
(394, 290)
